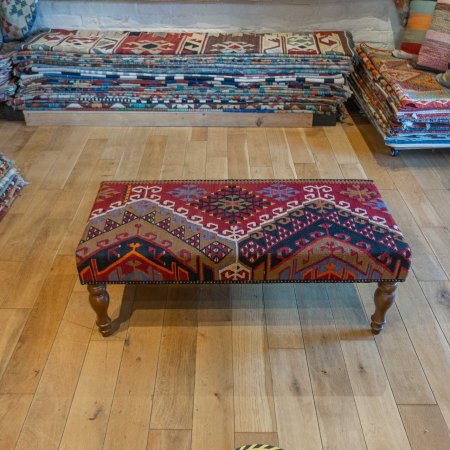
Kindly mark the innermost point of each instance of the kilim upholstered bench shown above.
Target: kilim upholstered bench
(241, 231)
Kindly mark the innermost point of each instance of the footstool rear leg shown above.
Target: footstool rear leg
(99, 300)
(384, 299)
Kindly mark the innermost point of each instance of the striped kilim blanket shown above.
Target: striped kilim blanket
(435, 51)
(142, 71)
(408, 106)
(419, 20)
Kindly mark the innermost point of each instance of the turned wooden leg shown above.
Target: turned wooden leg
(99, 300)
(384, 299)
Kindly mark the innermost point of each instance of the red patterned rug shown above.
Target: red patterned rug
(236, 230)
(161, 43)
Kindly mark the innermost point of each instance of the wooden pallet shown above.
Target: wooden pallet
(156, 119)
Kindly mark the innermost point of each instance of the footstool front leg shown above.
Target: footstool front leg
(99, 300)
(384, 299)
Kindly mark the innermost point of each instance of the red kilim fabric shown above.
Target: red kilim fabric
(241, 231)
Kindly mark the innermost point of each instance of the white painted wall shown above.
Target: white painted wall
(373, 21)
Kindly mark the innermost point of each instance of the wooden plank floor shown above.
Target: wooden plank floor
(218, 366)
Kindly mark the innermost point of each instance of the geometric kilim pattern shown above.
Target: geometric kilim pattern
(17, 18)
(241, 231)
(192, 43)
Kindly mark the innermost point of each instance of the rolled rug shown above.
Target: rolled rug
(419, 21)
(435, 51)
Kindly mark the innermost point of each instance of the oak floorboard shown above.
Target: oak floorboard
(169, 440)
(237, 154)
(337, 415)
(307, 171)
(425, 427)
(414, 196)
(128, 168)
(67, 203)
(342, 148)
(294, 403)
(20, 240)
(12, 322)
(195, 161)
(282, 321)
(428, 340)
(28, 360)
(438, 296)
(152, 384)
(137, 374)
(216, 168)
(406, 377)
(9, 272)
(300, 151)
(117, 142)
(439, 241)
(199, 134)
(282, 163)
(88, 416)
(425, 168)
(32, 273)
(174, 154)
(217, 142)
(173, 400)
(440, 199)
(36, 155)
(152, 158)
(69, 152)
(353, 171)
(366, 158)
(261, 173)
(254, 409)
(326, 162)
(349, 317)
(47, 416)
(14, 136)
(213, 396)
(377, 410)
(425, 263)
(258, 148)
(13, 410)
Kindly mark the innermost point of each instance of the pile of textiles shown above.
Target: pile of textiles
(185, 72)
(408, 106)
(7, 83)
(11, 183)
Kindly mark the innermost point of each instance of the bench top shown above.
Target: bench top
(241, 231)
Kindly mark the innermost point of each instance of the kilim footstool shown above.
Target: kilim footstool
(241, 231)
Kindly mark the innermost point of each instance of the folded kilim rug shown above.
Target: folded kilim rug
(7, 83)
(188, 72)
(11, 183)
(408, 106)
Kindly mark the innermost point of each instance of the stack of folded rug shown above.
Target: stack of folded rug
(11, 184)
(408, 106)
(185, 72)
(7, 83)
